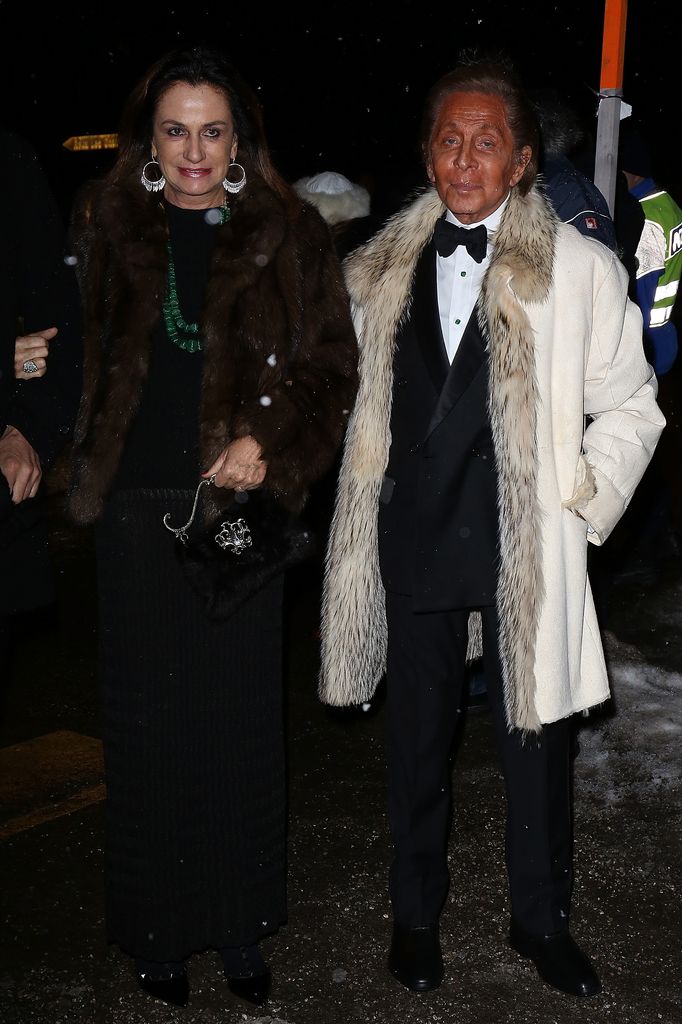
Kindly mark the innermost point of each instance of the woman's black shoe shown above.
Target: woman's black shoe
(415, 957)
(248, 975)
(173, 990)
(255, 989)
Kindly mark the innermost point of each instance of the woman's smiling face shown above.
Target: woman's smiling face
(194, 141)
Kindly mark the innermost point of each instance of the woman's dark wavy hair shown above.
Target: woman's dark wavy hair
(493, 76)
(197, 66)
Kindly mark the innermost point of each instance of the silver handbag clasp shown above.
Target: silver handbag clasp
(234, 534)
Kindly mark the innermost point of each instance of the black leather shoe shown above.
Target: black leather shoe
(254, 989)
(174, 991)
(415, 957)
(559, 961)
(248, 975)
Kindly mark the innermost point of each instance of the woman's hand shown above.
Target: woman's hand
(20, 465)
(239, 466)
(33, 347)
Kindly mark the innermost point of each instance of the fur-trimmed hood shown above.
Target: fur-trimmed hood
(538, 438)
(276, 322)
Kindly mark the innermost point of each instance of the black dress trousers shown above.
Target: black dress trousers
(426, 664)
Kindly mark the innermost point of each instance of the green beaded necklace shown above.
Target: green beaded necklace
(182, 334)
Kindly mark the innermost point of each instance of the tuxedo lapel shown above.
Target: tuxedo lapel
(426, 321)
(450, 380)
(468, 360)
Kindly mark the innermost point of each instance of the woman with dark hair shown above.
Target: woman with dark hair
(218, 348)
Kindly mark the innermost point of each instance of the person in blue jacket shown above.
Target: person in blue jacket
(574, 196)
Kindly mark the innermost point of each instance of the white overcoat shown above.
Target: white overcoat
(574, 417)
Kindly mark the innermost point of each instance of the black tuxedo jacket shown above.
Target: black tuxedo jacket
(438, 523)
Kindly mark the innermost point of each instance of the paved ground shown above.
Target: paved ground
(329, 961)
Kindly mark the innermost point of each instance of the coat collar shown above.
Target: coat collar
(136, 230)
(523, 248)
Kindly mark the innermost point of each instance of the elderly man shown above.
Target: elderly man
(505, 415)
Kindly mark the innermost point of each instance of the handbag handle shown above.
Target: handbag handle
(233, 534)
(181, 531)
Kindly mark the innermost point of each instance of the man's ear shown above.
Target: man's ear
(521, 164)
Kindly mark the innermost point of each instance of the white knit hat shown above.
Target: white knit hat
(336, 197)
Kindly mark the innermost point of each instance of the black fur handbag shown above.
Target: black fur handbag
(242, 549)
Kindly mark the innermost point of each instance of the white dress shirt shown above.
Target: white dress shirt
(459, 280)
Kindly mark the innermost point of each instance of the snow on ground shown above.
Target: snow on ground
(632, 748)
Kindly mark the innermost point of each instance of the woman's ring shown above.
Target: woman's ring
(30, 366)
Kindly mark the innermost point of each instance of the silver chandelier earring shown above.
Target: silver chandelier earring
(152, 185)
(234, 186)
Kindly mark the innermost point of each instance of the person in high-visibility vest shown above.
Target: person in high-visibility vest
(659, 251)
(648, 539)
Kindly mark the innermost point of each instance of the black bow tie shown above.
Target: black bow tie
(448, 236)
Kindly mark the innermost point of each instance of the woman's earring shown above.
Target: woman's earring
(152, 185)
(235, 186)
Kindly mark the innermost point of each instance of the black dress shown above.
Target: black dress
(192, 709)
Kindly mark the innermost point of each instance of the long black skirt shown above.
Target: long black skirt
(193, 745)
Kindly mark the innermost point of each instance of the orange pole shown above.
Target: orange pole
(613, 45)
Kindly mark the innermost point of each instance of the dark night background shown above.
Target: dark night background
(341, 84)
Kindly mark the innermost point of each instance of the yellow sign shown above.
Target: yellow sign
(81, 143)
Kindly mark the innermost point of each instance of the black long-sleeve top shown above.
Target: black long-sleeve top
(162, 449)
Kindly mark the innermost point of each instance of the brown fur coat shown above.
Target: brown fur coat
(276, 325)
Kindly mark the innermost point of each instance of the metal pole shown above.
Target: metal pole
(610, 95)
(606, 156)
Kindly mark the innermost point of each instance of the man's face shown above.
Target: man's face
(472, 161)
